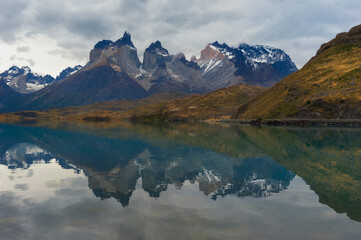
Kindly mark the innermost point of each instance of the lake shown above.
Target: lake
(178, 181)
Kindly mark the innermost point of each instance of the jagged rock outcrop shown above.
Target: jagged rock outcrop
(155, 56)
(120, 55)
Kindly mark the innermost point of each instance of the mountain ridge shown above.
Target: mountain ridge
(159, 72)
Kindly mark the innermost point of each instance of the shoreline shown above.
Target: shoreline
(298, 122)
(254, 122)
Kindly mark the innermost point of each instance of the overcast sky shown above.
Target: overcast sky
(51, 35)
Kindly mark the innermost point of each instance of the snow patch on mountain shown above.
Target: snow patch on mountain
(210, 65)
(224, 51)
(263, 54)
(208, 176)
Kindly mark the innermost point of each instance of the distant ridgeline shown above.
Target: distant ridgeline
(115, 72)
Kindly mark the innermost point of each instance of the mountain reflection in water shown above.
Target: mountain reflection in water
(114, 165)
(221, 160)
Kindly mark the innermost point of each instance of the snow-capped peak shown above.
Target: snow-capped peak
(23, 80)
(262, 54)
(224, 49)
(26, 69)
(208, 176)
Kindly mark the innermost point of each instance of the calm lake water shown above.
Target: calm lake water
(179, 181)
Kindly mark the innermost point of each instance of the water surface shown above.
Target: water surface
(178, 181)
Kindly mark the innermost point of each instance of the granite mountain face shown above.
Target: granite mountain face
(219, 65)
(115, 72)
(159, 71)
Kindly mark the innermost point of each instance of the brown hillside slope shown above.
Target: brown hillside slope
(215, 105)
(327, 87)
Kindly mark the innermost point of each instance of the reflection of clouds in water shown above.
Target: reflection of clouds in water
(22, 187)
(64, 183)
(178, 214)
(40, 181)
(12, 218)
(30, 173)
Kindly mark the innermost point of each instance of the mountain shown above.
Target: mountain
(114, 72)
(163, 72)
(159, 72)
(101, 83)
(23, 80)
(121, 55)
(327, 87)
(67, 72)
(223, 66)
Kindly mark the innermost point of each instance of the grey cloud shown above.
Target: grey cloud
(181, 25)
(23, 49)
(12, 18)
(31, 62)
(22, 187)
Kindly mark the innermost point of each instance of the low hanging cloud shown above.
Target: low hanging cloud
(299, 27)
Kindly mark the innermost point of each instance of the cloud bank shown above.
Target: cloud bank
(57, 34)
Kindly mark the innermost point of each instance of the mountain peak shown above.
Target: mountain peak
(126, 35)
(218, 45)
(125, 40)
(23, 80)
(157, 48)
(104, 44)
(68, 71)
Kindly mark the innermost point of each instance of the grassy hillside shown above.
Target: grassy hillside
(215, 105)
(327, 87)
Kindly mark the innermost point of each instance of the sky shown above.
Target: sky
(50, 35)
